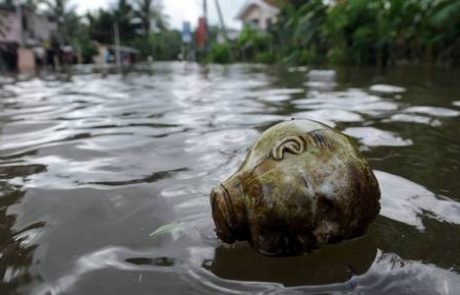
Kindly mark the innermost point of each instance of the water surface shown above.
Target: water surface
(91, 163)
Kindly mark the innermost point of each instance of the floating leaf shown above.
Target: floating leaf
(167, 228)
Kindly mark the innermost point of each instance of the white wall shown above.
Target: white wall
(261, 16)
(11, 30)
(42, 28)
(38, 28)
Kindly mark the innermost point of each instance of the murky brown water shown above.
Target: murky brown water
(93, 163)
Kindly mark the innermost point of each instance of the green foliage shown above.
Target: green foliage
(64, 13)
(336, 55)
(88, 50)
(375, 32)
(150, 11)
(265, 57)
(122, 15)
(221, 53)
(81, 32)
(255, 45)
(255, 39)
(162, 45)
(165, 45)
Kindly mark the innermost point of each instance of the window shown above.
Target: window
(254, 23)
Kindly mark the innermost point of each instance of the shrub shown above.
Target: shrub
(221, 53)
(265, 58)
(336, 56)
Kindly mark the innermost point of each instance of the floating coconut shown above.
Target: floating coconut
(301, 185)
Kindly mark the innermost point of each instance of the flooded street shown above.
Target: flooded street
(91, 164)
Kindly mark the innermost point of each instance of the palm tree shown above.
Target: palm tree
(64, 14)
(122, 14)
(148, 11)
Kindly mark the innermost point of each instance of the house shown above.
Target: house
(259, 14)
(23, 32)
(24, 26)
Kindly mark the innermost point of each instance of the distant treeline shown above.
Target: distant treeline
(142, 25)
(363, 32)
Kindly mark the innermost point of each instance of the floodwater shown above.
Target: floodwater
(92, 163)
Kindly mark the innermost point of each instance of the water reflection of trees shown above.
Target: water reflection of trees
(16, 256)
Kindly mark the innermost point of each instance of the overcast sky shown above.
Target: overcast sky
(180, 10)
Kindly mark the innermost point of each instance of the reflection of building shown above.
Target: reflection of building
(22, 27)
(260, 14)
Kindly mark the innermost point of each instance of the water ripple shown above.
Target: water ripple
(91, 163)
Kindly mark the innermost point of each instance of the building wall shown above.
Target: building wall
(11, 29)
(37, 29)
(260, 17)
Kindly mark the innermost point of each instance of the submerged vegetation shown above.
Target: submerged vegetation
(376, 32)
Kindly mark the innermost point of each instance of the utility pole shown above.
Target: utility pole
(116, 33)
(205, 15)
(221, 19)
(205, 9)
(19, 19)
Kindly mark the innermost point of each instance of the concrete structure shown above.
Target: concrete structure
(259, 14)
(26, 60)
(22, 32)
(36, 28)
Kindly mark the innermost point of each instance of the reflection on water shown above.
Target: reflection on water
(91, 164)
(370, 136)
(408, 202)
(387, 89)
(388, 274)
